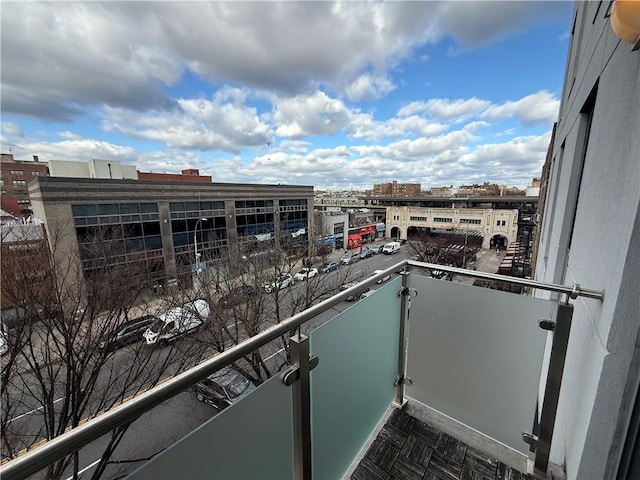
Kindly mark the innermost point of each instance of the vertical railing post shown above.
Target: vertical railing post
(299, 348)
(561, 330)
(404, 293)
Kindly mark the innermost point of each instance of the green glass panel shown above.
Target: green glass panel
(352, 386)
(252, 439)
(475, 354)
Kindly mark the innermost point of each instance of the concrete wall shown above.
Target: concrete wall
(92, 169)
(595, 179)
(491, 221)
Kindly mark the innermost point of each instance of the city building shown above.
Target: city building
(442, 191)
(112, 169)
(16, 175)
(395, 189)
(189, 175)
(24, 260)
(589, 235)
(499, 227)
(159, 224)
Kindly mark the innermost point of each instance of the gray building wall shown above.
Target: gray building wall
(590, 237)
(53, 197)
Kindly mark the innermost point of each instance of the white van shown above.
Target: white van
(177, 322)
(391, 248)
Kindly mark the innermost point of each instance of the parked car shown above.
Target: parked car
(305, 274)
(329, 266)
(391, 248)
(366, 254)
(354, 296)
(376, 249)
(383, 279)
(237, 296)
(223, 388)
(177, 322)
(349, 258)
(283, 281)
(127, 333)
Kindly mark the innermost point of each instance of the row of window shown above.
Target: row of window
(501, 223)
(18, 173)
(91, 210)
(442, 220)
(471, 221)
(195, 206)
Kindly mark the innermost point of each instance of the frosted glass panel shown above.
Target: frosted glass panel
(249, 440)
(352, 386)
(475, 355)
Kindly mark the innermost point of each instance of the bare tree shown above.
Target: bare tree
(56, 371)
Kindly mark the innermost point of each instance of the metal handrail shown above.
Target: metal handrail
(69, 442)
(573, 291)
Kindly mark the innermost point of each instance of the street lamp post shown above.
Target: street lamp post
(195, 244)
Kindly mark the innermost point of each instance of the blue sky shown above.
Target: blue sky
(337, 95)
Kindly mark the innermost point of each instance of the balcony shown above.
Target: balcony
(425, 378)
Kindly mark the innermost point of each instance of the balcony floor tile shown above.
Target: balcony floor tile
(408, 449)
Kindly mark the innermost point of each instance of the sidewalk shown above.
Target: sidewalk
(486, 261)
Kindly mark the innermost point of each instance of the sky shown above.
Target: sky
(337, 95)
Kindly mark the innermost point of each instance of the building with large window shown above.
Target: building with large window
(158, 225)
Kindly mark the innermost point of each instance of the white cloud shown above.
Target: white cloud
(538, 107)
(315, 114)
(366, 87)
(196, 124)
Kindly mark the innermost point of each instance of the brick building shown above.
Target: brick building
(16, 175)
(189, 175)
(395, 189)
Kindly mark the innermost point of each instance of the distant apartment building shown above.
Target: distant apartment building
(486, 189)
(442, 191)
(16, 175)
(189, 175)
(395, 189)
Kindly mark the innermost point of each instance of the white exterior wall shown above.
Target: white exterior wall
(491, 221)
(64, 168)
(92, 169)
(602, 251)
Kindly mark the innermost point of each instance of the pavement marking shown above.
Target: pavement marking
(31, 412)
(85, 469)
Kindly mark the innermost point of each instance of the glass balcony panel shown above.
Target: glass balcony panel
(248, 440)
(475, 354)
(352, 386)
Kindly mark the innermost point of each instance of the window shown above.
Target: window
(418, 219)
(470, 221)
(35, 174)
(442, 220)
(19, 183)
(17, 172)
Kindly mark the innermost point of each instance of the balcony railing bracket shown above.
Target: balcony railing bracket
(407, 292)
(292, 375)
(546, 324)
(530, 439)
(402, 379)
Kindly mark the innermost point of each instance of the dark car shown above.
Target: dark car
(366, 254)
(376, 249)
(329, 267)
(129, 332)
(236, 296)
(223, 388)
